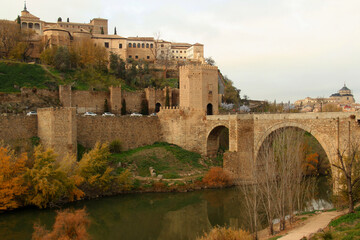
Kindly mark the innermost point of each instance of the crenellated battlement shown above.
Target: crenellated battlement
(201, 66)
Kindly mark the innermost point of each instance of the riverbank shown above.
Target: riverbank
(314, 225)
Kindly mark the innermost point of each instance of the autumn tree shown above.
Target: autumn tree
(10, 35)
(69, 224)
(12, 169)
(331, 107)
(95, 168)
(86, 54)
(47, 184)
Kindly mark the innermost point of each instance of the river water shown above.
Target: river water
(175, 216)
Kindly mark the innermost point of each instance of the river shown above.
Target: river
(176, 216)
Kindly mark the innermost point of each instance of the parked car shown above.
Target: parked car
(32, 113)
(153, 114)
(108, 114)
(135, 115)
(90, 114)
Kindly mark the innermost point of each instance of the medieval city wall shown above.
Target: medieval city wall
(133, 132)
(17, 127)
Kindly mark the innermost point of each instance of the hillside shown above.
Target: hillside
(14, 75)
(168, 160)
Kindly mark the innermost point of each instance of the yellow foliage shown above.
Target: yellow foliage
(94, 168)
(125, 181)
(46, 183)
(11, 178)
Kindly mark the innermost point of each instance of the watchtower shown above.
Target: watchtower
(199, 88)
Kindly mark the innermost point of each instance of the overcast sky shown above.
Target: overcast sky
(270, 49)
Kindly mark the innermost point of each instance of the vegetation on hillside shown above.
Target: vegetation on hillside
(14, 75)
(343, 228)
(168, 160)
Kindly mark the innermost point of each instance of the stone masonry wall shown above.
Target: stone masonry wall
(57, 129)
(133, 132)
(15, 127)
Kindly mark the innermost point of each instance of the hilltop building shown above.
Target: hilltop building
(343, 98)
(63, 33)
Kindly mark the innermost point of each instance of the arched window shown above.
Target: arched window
(157, 107)
(23, 25)
(209, 109)
(151, 45)
(134, 45)
(138, 45)
(129, 45)
(30, 25)
(147, 45)
(37, 26)
(143, 45)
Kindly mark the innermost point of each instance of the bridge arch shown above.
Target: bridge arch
(329, 150)
(217, 137)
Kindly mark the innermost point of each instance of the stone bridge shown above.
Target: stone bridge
(247, 133)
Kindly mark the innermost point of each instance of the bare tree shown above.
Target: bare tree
(349, 166)
(10, 35)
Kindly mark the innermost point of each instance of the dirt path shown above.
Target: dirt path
(312, 225)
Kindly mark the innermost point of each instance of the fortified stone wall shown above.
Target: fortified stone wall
(17, 127)
(92, 101)
(183, 127)
(133, 132)
(57, 129)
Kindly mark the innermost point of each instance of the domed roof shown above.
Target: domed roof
(345, 88)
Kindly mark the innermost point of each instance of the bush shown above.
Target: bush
(216, 177)
(68, 225)
(223, 233)
(115, 146)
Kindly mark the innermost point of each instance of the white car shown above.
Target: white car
(108, 114)
(135, 115)
(32, 113)
(90, 114)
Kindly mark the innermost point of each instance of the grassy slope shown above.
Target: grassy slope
(345, 227)
(167, 159)
(24, 75)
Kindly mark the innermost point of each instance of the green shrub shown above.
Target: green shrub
(115, 146)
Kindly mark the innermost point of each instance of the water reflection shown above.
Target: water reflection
(159, 216)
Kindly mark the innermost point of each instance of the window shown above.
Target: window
(136, 57)
(185, 57)
(162, 45)
(134, 45)
(147, 45)
(151, 45)
(173, 57)
(129, 45)
(180, 57)
(130, 56)
(173, 51)
(143, 45)
(120, 45)
(184, 51)
(180, 51)
(177, 51)
(147, 57)
(138, 45)
(107, 45)
(30, 25)
(177, 57)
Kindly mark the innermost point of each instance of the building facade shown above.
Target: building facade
(64, 33)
